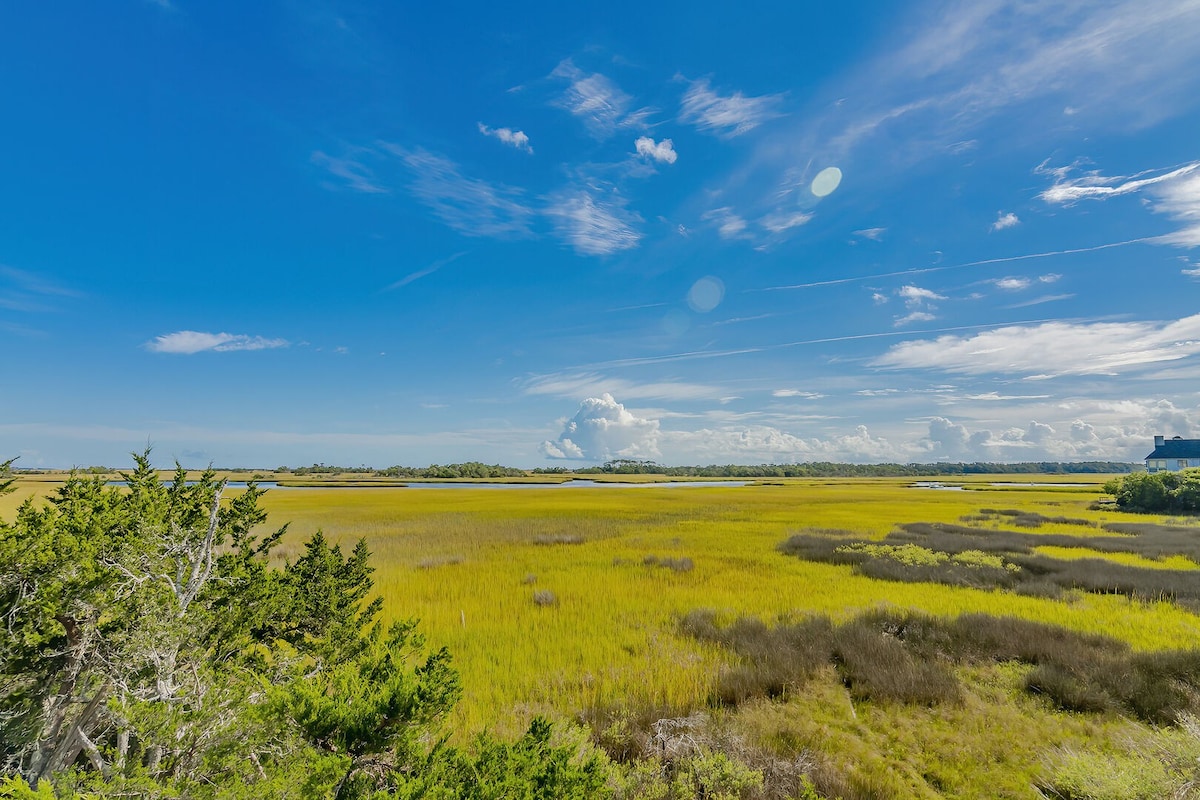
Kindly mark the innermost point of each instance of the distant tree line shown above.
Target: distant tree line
(830, 469)
(629, 466)
(471, 469)
(1158, 493)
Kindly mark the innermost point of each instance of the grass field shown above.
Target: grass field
(567, 602)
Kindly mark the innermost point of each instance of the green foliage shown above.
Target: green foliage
(372, 702)
(1163, 764)
(471, 469)
(13, 788)
(537, 766)
(1157, 493)
(153, 652)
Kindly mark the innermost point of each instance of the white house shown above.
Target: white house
(1172, 455)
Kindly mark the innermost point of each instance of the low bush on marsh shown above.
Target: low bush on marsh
(958, 555)
(1164, 764)
(682, 564)
(906, 657)
(545, 597)
(1031, 519)
(433, 562)
(559, 538)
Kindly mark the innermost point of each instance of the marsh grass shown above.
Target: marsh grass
(612, 652)
(612, 639)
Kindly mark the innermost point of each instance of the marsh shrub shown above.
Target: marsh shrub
(877, 666)
(958, 555)
(559, 538)
(682, 564)
(545, 597)
(906, 657)
(1066, 689)
(773, 660)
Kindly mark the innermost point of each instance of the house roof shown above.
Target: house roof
(1177, 448)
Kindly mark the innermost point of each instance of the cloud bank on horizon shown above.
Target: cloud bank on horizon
(960, 231)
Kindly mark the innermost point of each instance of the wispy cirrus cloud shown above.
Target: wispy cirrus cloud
(725, 116)
(471, 206)
(1176, 194)
(958, 64)
(1037, 301)
(512, 138)
(596, 100)
(591, 224)
(1180, 200)
(1091, 185)
(781, 221)
(1052, 349)
(1092, 54)
(578, 385)
(729, 225)
(24, 291)
(349, 167)
(190, 342)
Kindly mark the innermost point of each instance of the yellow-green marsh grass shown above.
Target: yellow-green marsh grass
(468, 561)
(1128, 559)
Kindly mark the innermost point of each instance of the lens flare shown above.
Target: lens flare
(826, 182)
(706, 294)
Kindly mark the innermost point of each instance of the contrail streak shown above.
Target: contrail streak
(984, 262)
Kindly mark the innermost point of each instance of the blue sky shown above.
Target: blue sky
(379, 233)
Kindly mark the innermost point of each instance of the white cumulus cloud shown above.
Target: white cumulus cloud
(189, 342)
(915, 296)
(765, 443)
(1003, 220)
(516, 139)
(604, 429)
(663, 151)
(1013, 284)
